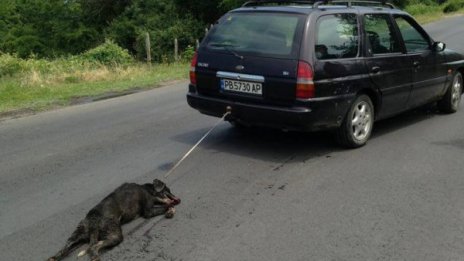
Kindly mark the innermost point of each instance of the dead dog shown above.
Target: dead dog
(101, 228)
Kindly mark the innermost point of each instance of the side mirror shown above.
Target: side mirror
(439, 46)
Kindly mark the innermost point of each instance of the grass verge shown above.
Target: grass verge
(435, 16)
(48, 84)
(30, 85)
(427, 12)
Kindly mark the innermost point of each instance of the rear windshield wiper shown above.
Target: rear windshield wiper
(227, 48)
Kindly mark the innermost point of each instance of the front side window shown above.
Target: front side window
(413, 39)
(337, 37)
(380, 34)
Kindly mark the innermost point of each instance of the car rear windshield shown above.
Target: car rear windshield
(257, 34)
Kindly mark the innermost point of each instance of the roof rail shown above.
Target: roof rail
(380, 3)
(277, 2)
(325, 2)
(317, 3)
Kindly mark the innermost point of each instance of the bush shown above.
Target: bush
(108, 53)
(187, 55)
(10, 65)
(417, 9)
(453, 6)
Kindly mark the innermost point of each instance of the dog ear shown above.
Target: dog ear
(159, 185)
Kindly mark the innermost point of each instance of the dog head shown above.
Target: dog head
(162, 191)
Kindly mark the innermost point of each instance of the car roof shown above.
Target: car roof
(307, 9)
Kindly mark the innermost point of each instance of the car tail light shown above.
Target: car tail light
(193, 76)
(304, 84)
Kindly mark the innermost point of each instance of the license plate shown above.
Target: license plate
(242, 87)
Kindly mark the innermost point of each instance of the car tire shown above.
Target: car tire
(450, 102)
(357, 126)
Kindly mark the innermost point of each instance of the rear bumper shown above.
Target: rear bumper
(313, 115)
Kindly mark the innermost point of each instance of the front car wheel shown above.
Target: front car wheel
(452, 99)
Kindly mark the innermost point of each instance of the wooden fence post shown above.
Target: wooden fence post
(176, 50)
(148, 47)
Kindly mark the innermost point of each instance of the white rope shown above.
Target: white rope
(198, 143)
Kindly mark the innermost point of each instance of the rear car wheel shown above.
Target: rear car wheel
(357, 126)
(452, 98)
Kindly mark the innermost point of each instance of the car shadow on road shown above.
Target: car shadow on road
(278, 146)
(263, 143)
(405, 120)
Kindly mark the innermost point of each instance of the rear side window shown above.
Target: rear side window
(380, 34)
(337, 37)
(260, 34)
(413, 39)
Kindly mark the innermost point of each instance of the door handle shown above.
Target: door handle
(375, 69)
(416, 64)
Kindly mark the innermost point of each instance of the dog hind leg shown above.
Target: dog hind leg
(93, 237)
(113, 238)
(79, 236)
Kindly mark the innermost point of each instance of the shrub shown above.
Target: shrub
(453, 6)
(417, 9)
(108, 53)
(406, 3)
(10, 65)
(188, 53)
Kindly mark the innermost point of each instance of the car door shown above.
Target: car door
(429, 72)
(387, 64)
(336, 54)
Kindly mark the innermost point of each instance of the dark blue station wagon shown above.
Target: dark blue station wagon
(317, 65)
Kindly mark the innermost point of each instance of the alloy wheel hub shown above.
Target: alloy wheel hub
(362, 121)
(457, 91)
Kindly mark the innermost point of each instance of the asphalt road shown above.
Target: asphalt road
(253, 195)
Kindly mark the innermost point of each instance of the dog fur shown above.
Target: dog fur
(101, 228)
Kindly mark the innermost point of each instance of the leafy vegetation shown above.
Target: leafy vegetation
(54, 51)
(56, 28)
(37, 84)
(108, 53)
(453, 6)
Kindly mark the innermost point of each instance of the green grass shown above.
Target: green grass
(435, 16)
(429, 13)
(41, 87)
(39, 84)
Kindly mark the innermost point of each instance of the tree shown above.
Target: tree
(207, 10)
(100, 13)
(162, 20)
(44, 28)
(231, 4)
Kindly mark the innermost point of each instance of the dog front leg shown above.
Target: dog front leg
(170, 212)
(162, 201)
(152, 211)
(167, 211)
